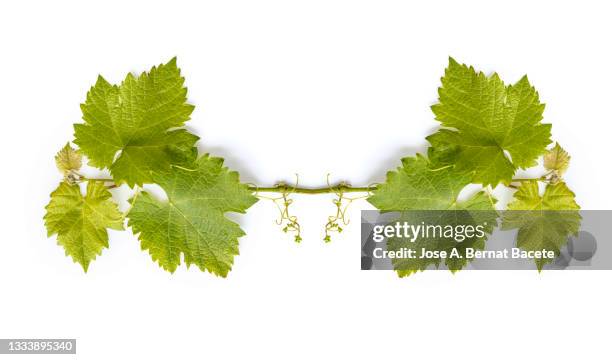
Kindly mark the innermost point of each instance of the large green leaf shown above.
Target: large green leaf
(81, 222)
(489, 129)
(422, 185)
(132, 129)
(419, 185)
(192, 222)
(543, 221)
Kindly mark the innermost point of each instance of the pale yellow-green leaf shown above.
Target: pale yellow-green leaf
(81, 222)
(557, 159)
(68, 160)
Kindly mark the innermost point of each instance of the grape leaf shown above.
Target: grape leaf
(131, 129)
(557, 159)
(81, 222)
(192, 221)
(489, 128)
(420, 184)
(543, 222)
(68, 160)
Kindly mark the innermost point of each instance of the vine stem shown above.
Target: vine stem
(312, 191)
(528, 179)
(287, 189)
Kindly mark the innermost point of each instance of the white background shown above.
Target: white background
(284, 87)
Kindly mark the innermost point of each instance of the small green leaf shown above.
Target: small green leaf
(81, 222)
(490, 129)
(192, 221)
(557, 160)
(68, 160)
(132, 129)
(543, 221)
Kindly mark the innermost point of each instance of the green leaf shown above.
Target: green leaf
(132, 129)
(81, 222)
(420, 184)
(557, 160)
(68, 160)
(192, 220)
(489, 129)
(543, 221)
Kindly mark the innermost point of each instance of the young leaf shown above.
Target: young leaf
(192, 221)
(131, 129)
(491, 129)
(68, 160)
(422, 185)
(543, 222)
(557, 159)
(81, 222)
